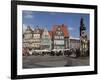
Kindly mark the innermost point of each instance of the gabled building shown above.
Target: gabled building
(46, 40)
(37, 38)
(60, 37)
(27, 37)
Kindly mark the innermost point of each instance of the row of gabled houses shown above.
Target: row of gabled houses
(57, 38)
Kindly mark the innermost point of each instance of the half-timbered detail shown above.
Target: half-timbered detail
(60, 37)
(27, 37)
(37, 38)
(56, 39)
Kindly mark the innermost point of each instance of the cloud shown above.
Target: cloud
(28, 12)
(29, 16)
(70, 28)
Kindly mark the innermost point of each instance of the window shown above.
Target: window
(61, 37)
(59, 28)
(46, 36)
(28, 36)
(36, 35)
(59, 42)
(56, 37)
(58, 32)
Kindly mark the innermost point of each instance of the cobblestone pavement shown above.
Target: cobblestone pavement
(53, 61)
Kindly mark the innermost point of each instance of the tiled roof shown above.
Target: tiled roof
(64, 29)
(50, 33)
(54, 28)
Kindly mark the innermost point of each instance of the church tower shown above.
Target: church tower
(83, 38)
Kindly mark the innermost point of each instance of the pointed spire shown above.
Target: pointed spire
(81, 22)
(82, 26)
(28, 27)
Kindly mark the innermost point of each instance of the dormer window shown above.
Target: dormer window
(59, 33)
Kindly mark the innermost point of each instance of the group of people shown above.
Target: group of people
(69, 52)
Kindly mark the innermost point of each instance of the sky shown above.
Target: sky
(48, 19)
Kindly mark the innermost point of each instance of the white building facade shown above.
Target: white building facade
(27, 37)
(74, 43)
(45, 40)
